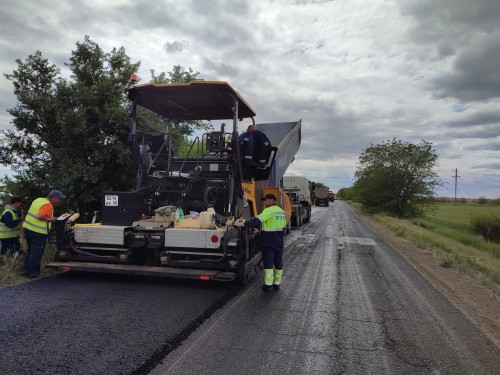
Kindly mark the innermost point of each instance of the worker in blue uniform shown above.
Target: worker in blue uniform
(272, 222)
(255, 147)
(245, 140)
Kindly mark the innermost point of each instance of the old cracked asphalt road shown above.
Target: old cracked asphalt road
(350, 304)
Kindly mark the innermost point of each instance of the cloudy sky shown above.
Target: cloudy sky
(356, 72)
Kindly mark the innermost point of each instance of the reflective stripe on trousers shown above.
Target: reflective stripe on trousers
(278, 277)
(268, 276)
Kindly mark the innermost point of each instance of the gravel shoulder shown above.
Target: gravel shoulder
(477, 303)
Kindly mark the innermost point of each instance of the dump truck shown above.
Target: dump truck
(178, 220)
(298, 189)
(321, 196)
(331, 196)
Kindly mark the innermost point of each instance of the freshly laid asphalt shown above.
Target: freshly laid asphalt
(99, 324)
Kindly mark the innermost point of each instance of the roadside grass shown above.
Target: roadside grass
(10, 268)
(448, 235)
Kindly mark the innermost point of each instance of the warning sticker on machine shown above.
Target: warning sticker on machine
(111, 200)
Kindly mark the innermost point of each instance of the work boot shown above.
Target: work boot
(276, 287)
(267, 288)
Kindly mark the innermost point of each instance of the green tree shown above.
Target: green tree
(482, 200)
(315, 185)
(349, 194)
(70, 133)
(397, 177)
(342, 193)
(179, 74)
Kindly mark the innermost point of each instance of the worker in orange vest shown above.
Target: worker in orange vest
(36, 230)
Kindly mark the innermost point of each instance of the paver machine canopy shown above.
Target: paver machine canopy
(212, 171)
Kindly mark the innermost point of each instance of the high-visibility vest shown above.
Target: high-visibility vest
(5, 231)
(32, 223)
(272, 223)
(273, 219)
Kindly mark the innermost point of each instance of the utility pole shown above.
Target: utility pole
(456, 179)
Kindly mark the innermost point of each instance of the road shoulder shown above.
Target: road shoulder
(476, 302)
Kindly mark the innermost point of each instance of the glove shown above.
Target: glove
(239, 223)
(230, 221)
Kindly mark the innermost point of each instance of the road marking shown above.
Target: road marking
(358, 240)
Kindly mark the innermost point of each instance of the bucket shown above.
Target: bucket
(207, 220)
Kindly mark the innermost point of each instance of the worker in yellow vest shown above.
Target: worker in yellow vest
(10, 221)
(272, 222)
(36, 227)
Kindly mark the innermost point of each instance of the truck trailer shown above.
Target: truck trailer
(298, 189)
(143, 232)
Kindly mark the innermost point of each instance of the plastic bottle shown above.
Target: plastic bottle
(207, 219)
(179, 214)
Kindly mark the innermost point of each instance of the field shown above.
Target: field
(462, 212)
(448, 235)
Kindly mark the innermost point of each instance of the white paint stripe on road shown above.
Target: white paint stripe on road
(358, 240)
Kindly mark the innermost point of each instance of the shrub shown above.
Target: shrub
(482, 200)
(447, 263)
(487, 226)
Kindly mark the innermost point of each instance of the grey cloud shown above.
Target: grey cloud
(296, 51)
(492, 166)
(307, 2)
(219, 69)
(214, 24)
(24, 27)
(174, 47)
(476, 72)
(329, 131)
(483, 132)
(144, 14)
(467, 31)
(325, 130)
(307, 47)
(223, 35)
(445, 49)
(444, 18)
(480, 118)
(215, 7)
(487, 146)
